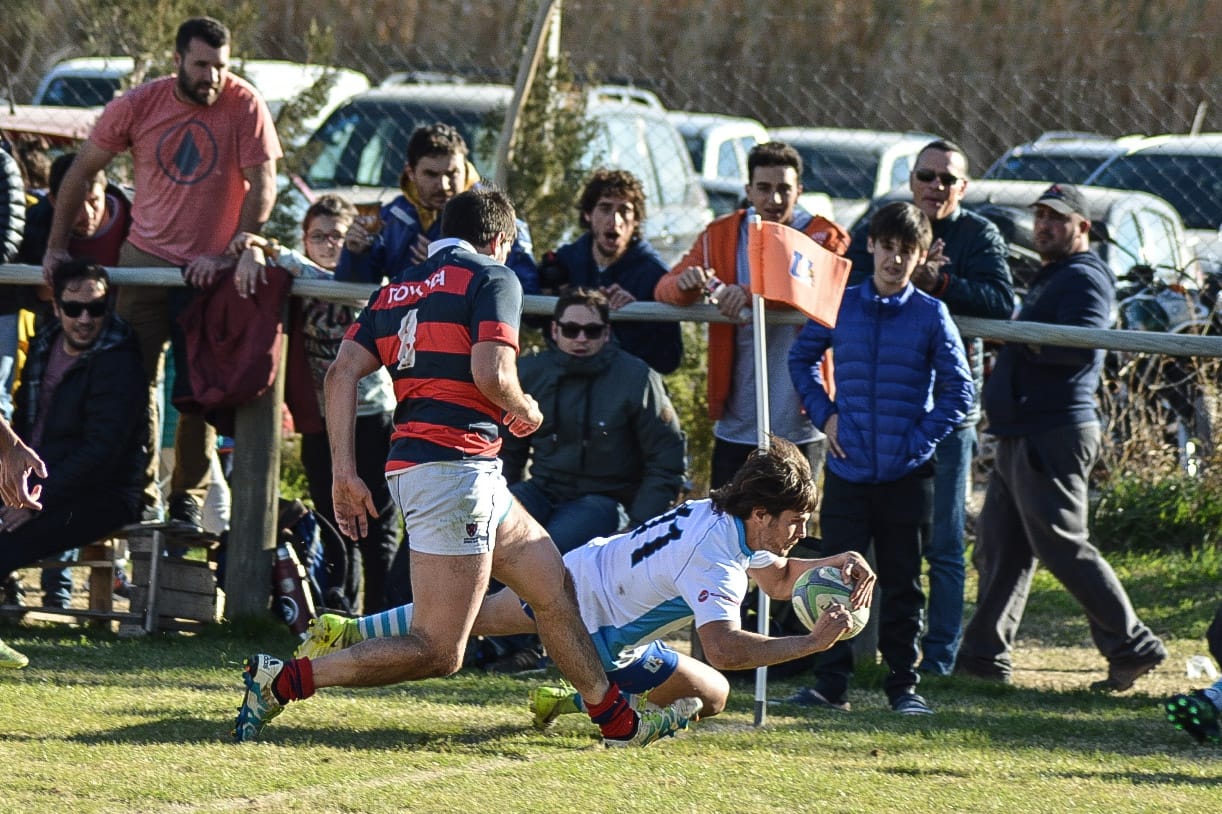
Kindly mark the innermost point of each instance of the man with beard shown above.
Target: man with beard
(1040, 403)
(81, 407)
(614, 258)
(204, 151)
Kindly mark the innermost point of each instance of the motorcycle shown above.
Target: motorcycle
(1170, 393)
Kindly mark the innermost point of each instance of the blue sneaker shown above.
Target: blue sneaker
(260, 704)
(1195, 714)
(810, 697)
(911, 704)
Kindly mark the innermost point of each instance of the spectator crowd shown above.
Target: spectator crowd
(447, 462)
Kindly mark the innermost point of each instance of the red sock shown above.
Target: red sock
(295, 682)
(615, 718)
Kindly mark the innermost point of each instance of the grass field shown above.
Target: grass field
(99, 724)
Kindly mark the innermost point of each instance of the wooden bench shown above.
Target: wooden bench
(167, 593)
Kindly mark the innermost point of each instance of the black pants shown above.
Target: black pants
(87, 519)
(379, 545)
(896, 519)
(728, 457)
(1214, 636)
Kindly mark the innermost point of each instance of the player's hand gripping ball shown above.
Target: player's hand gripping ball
(819, 588)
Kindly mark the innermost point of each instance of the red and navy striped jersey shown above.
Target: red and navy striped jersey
(422, 331)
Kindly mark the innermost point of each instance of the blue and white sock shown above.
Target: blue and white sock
(387, 624)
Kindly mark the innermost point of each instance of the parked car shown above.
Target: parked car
(718, 146)
(1064, 156)
(852, 166)
(1128, 229)
(58, 126)
(360, 150)
(1187, 172)
(94, 81)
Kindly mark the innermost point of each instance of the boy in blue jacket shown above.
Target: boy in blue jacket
(901, 384)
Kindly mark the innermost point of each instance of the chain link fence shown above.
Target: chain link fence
(988, 76)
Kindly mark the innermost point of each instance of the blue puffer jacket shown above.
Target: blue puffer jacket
(902, 381)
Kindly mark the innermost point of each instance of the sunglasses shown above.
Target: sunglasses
(95, 308)
(571, 330)
(927, 176)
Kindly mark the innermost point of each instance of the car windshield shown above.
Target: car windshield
(365, 143)
(1190, 183)
(1073, 169)
(80, 91)
(840, 172)
(695, 146)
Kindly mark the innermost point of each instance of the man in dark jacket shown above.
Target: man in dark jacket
(967, 270)
(82, 406)
(1040, 402)
(610, 452)
(613, 258)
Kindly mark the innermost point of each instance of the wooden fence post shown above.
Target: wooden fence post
(255, 485)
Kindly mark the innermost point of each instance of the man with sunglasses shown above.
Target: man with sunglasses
(82, 406)
(966, 268)
(610, 452)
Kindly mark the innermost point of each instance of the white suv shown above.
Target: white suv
(719, 146)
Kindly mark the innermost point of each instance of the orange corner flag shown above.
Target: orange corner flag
(789, 267)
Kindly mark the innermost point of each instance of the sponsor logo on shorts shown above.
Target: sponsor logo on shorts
(653, 664)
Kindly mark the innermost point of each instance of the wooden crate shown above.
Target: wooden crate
(187, 594)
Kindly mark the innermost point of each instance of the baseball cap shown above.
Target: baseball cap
(1064, 198)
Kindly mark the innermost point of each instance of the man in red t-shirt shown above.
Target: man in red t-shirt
(204, 150)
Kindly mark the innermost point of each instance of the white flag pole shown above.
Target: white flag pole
(762, 424)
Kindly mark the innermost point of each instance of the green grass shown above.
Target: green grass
(99, 724)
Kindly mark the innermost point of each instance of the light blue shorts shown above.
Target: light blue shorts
(452, 508)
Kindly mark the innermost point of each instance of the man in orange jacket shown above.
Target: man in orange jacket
(716, 267)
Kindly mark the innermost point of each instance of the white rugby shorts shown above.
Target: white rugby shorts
(452, 508)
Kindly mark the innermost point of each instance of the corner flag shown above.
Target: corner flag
(789, 267)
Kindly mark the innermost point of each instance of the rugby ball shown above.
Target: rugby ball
(820, 587)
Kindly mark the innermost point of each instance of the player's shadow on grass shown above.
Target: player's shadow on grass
(1007, 717)
(193, 730)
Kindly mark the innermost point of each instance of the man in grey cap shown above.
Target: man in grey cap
(1040, 403)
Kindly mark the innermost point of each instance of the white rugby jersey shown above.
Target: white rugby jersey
(640, 585)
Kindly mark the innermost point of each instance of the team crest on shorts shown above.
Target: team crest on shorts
(473, 536)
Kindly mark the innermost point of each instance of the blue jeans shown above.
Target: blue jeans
(571, 523)
(56, 583)
(944, 552)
